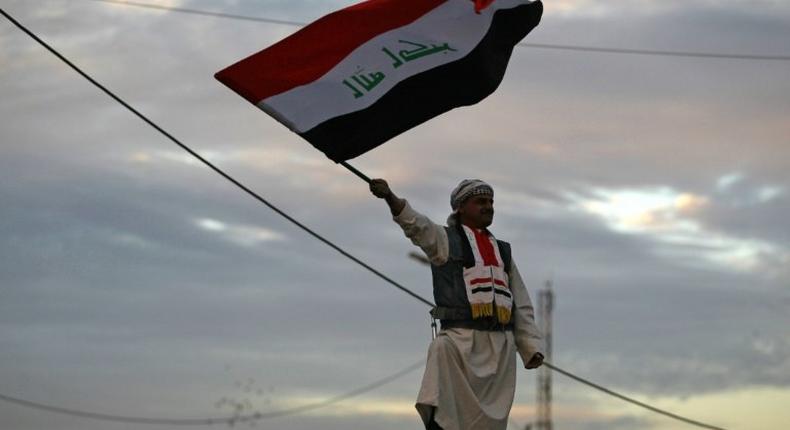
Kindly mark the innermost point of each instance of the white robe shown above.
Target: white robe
(470, 375)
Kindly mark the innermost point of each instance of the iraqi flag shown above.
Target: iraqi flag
(360, 76)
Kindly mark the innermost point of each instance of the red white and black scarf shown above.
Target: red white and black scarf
(487, 282)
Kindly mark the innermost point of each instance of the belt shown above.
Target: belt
(484, 324)
(462, 318)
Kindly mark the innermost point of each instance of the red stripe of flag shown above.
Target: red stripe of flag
(482, 4)
(314, 50)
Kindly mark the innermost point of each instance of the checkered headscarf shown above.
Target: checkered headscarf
(468, 188)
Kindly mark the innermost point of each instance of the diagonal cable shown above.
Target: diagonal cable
(630, 400)
(210, 165)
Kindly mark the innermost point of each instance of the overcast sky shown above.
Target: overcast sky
(653, 190)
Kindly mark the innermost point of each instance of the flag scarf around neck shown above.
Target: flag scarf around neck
(360, 76)
(487, 282)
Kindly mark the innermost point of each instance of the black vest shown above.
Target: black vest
(449, 290)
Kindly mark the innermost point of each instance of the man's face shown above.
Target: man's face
(477, 211)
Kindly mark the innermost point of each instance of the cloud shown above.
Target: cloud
(728, 180)
(768, 193)
(244, 235)
(671, 219)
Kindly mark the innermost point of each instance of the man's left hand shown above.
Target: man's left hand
(536, 361)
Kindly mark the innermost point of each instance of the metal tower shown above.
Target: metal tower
(545, 308)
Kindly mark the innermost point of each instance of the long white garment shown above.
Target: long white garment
(470, 375)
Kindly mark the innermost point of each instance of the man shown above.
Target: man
(485, 312)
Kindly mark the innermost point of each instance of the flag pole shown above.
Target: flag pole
(355, 171)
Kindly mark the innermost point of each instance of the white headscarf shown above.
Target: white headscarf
(467, 188)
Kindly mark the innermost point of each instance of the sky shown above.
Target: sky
(653, 191)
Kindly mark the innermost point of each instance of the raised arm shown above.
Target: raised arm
(429, 236)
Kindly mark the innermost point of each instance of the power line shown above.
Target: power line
(655, 52)
(215, 420)
(577, 48)
(288, 217)
(204, 12)
(630, 400)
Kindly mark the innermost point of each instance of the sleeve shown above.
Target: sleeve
(429, 236)
(529, 338)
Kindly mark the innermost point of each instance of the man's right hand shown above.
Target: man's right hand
(380, 188)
